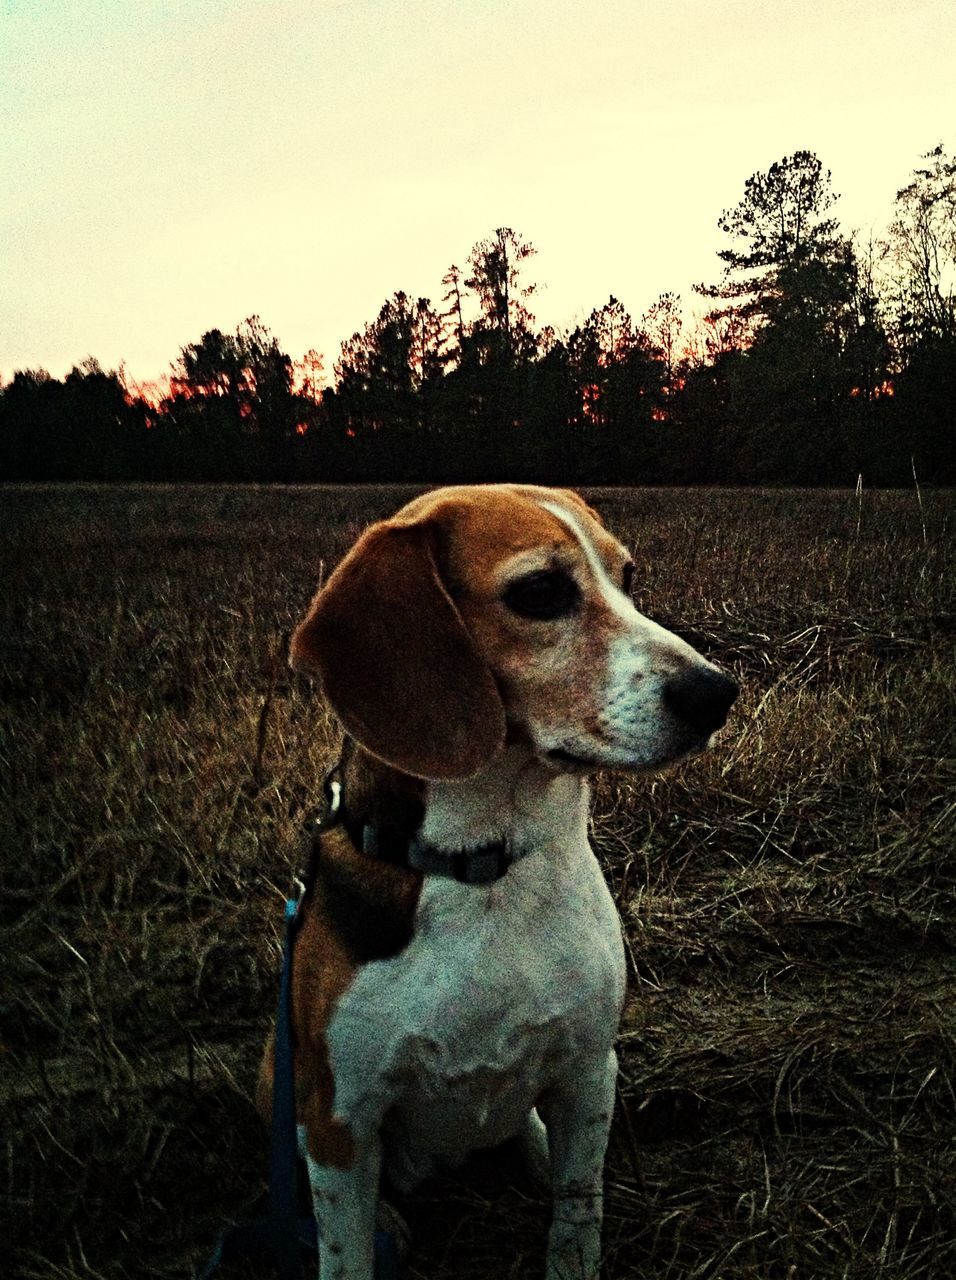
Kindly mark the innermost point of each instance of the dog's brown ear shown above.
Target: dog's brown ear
(396, 661)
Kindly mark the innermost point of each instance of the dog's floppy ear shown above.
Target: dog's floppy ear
(396, 661)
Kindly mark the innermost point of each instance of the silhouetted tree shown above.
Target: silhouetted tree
(778, 227)
(202, 415)
(211, 367)
(232, 411)
(384, 376)
(663, 323)
(920, 262)
(788, 286)
(618, 395)
(922, 250)
(85, 427)
(269, 404)
(504, 333)
(311, 371)
(33, 424)
(809, 366)
(453, 317)
(481, 406)
(109, 427)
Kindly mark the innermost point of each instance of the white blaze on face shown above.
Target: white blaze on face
(637, 729)
(615, 597)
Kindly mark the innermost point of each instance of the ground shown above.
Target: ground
(786, 1098)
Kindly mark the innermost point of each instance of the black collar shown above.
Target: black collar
(482, 865)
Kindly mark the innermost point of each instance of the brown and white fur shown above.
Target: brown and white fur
(484, 656)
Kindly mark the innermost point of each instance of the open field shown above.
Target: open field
(788, 1052)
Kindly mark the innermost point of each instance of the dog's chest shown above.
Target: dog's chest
(501, 992)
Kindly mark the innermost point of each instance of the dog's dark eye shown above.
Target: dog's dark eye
(627, 578)
(545, 595)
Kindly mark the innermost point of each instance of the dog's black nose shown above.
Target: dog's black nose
(701, 697)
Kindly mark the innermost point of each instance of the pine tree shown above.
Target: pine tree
(786, 251)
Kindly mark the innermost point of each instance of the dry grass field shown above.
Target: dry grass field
(788, 1051)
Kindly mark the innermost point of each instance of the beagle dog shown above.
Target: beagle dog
(459, 970)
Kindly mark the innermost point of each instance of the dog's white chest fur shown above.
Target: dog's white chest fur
(502, 991)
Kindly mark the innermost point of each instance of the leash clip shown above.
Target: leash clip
(330, 815)
(332, 791)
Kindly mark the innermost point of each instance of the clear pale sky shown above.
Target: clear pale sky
(170, 166)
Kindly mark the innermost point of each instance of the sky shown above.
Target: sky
(172, 166)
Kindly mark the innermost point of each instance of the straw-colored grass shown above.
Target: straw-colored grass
(786, 1102)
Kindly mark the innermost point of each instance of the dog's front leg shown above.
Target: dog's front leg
(345, 1202)
(578, 1121)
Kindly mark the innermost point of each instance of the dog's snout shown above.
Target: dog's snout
(701, 697)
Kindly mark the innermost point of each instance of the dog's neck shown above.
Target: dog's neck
(376, 795)
(515, 800)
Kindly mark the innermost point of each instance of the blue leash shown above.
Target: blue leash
(284, 1232)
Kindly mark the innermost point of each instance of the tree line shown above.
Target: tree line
(817, 359)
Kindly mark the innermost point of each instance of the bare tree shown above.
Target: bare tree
(922, 250)
(663, 323)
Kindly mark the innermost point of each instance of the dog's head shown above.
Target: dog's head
(480, 613)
